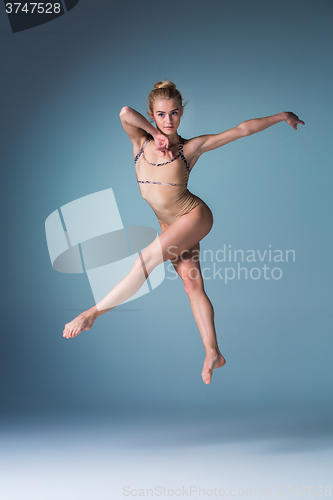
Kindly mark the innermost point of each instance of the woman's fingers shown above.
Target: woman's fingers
(163, 151)
(162, 144)
(293, 120)
(298, 122)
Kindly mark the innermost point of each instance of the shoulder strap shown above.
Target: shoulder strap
(182, 154)
(149, 138)
(142, 149)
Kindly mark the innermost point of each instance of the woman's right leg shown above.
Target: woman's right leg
(179, 237)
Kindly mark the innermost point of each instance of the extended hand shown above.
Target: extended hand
(162, 144)
(293, 120)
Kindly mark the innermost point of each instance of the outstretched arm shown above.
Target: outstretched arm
(205, 143)
(259, 124)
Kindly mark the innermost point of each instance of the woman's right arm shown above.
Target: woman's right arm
(135, 125)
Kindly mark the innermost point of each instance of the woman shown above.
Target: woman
(163, 161)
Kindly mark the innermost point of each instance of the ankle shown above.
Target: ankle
(212, 350)
(93, 313)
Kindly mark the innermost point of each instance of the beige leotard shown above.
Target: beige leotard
(164, 185)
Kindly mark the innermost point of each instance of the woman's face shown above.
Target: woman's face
(167, 114)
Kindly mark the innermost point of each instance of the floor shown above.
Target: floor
(68, 457)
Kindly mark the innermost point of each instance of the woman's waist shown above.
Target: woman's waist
(166, 196)
(162, 193)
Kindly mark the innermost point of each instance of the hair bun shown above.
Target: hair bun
(165, 84)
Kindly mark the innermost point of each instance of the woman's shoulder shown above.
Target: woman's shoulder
(190, 145)
(191, 149)
(186, 143)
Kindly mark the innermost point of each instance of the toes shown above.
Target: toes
(207, 376)
(72, 330)
(66, 333)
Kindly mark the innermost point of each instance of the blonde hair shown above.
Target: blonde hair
(163, 90)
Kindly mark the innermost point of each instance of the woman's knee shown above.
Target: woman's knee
(148, 260)
(193, 284)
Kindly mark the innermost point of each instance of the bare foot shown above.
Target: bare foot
(82, 322)
(213, 360)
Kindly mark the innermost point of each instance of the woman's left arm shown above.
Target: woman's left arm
(204, 143)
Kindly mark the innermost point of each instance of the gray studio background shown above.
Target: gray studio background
(62, 87)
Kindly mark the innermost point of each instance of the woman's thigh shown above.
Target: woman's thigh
(181, 236)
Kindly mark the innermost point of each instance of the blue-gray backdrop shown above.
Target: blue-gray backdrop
(62, 86)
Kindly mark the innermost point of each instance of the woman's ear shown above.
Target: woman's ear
(181, 111)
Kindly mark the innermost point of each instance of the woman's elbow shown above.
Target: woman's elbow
(124, 111)
(244, 129)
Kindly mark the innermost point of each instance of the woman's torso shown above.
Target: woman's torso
(166, 192)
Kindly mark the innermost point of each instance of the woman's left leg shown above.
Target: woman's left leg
(187, 266)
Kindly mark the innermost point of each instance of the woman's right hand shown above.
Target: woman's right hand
(162, 144)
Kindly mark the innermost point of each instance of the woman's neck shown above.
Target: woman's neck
(173, 139)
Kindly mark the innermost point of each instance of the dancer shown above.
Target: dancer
(163, 162)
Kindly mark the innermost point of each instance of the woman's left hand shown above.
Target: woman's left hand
(293, 120)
